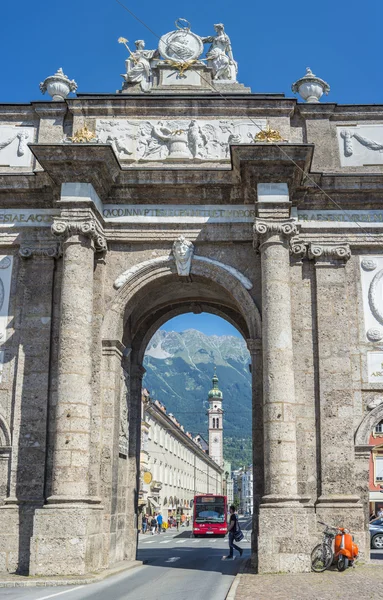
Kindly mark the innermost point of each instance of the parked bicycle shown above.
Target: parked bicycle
(344, 553)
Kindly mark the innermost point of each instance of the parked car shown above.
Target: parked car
(376, 534)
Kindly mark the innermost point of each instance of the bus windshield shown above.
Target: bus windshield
(210, 512)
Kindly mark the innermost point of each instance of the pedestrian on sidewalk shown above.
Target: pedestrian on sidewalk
(178, 519)
(233, 527)
(153, 524)
(159, 523)
(144, 523)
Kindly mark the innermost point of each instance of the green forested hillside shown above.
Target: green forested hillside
(179, 368)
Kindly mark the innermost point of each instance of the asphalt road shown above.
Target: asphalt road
(177, 567)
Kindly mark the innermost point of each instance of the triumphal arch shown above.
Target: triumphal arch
(185, 192)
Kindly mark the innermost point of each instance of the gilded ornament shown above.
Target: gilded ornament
(269, 135)
(83, 136)
(181, 66)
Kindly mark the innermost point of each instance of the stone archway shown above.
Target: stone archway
(371, 419)
(148, 298)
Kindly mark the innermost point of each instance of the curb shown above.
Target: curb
(86, 580)
(233, 588)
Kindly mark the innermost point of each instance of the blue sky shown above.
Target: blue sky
(273, 42)
(208, 324)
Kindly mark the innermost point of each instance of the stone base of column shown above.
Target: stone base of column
(285, 537)
(67, 540)
(16, 526)
(345, 511)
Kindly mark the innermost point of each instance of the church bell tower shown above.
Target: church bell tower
(215, 413)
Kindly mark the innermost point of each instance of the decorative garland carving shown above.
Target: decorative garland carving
(373, 299)
(86, 228)
(347, 136)
(334, 252)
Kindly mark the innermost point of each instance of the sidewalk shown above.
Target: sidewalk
(362, 583)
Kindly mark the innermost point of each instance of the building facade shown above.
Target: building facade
(119, 212)
(376, 470)
(178, 466)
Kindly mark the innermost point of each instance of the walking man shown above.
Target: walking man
(153, 524)
(232, 528)
(159, 522)
(178, 519)
(144, 523)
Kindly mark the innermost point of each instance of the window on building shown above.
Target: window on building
(379, 427)
(217, 423)
(379, 468)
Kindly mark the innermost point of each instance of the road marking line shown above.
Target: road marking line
(59, 593)
(196, 541)
(181, 541)
(166, 542)
(213, 541)
(150, 542)
(173, 559)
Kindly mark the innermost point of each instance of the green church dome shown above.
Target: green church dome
(215, 392)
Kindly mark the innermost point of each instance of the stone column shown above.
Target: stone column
(31, 396)
(278, 366)
(255, 349)
(71, 455)
(137, 373)
(338, 498)
(71, 512)
(284, 522)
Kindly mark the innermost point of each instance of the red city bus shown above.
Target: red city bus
(210, 515)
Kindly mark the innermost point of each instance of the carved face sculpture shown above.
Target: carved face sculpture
(183, 250)
(140, 44)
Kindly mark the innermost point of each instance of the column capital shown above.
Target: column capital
(87, 228)
(298, 248)
(328, 253)
(45, 250)
(264, 229)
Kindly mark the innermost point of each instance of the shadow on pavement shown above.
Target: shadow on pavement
(188, 557)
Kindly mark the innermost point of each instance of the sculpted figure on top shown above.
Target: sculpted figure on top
(220, 55)
(139, 64)
(182, 49)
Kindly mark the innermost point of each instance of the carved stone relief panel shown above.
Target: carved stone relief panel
(124, 419)
(5, 287)
(360, 145)
(178, 140)
(14, 151)
(371, 270)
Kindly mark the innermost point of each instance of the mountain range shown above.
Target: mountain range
(179, 370)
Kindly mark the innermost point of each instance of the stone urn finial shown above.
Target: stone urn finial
(310, 87)
(58, 86)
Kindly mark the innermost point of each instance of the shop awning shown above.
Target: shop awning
(154, 503)
(376, 497)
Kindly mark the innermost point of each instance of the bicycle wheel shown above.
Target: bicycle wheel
(321, 558)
